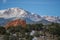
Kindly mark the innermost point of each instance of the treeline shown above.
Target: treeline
(53, 28)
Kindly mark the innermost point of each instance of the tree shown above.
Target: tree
(54, 29)
(2, 30)
(6, 36)
(18, 28)
(11, 29)
(37, 27)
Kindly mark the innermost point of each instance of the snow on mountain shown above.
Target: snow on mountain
(19, 13)
(13, 12)
(52, 18)
(35, 17)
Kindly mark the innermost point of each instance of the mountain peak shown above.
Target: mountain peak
(13, 12)
(16, 8)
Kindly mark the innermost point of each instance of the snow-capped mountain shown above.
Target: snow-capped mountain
(19, 13)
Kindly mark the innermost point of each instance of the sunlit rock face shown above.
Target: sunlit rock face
(16, 23)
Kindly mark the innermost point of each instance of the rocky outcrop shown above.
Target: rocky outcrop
(15, 23)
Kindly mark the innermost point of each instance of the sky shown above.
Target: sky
(41, 7)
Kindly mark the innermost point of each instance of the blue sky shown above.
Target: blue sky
(41, 7)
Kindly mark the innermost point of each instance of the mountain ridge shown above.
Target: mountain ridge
(19, 13)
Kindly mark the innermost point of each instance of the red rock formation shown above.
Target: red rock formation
(16, 23)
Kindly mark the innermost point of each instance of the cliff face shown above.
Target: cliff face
(15, 23)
